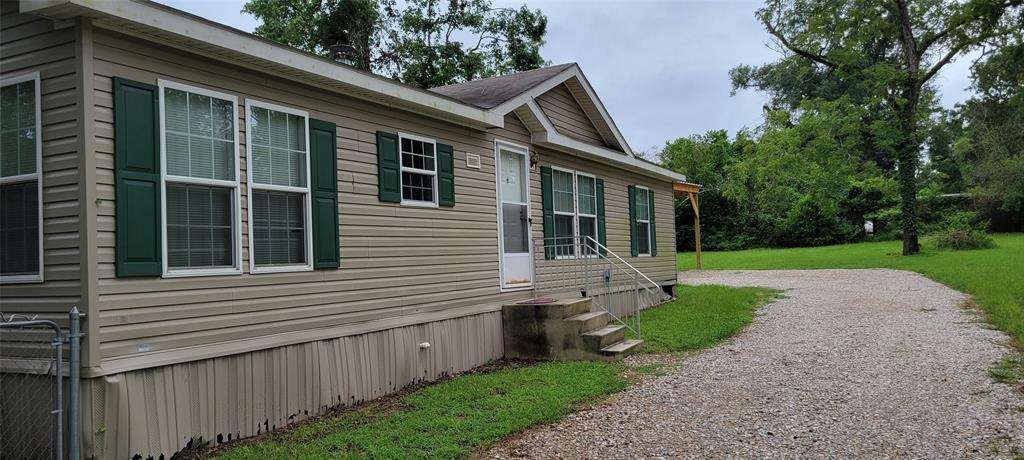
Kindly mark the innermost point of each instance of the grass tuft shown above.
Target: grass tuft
(700, 317)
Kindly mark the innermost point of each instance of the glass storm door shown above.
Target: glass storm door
(514, 217)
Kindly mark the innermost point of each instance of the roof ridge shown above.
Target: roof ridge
(563, 65)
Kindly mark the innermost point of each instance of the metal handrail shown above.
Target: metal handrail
(572, 265)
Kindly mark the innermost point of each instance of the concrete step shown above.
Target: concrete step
(601, 338)
(576, 307)
(586, 322)
(623, 348)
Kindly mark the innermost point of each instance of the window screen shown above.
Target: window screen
(278, 221)
(199, 226)
(19, 228)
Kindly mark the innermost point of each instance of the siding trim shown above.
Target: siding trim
(220, 349)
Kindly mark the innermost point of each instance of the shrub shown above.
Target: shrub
(962, 230)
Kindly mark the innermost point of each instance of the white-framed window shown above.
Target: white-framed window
(574, 202)
(418, 159)
(21, 185)
(643, 220)
(280, 222)
(200, 178)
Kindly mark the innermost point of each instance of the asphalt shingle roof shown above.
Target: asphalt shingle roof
(492, 92)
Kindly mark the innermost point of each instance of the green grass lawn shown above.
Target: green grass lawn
(701, 317)
(995, 277)
(447, 420)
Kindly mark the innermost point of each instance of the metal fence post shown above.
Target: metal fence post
(75, 405)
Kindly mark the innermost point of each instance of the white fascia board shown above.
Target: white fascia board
(554, 81)
(172, 21)
(551, 138)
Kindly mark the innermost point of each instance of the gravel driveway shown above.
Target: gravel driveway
(851, 363)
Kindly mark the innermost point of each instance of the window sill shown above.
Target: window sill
(280, 269)
(21, 279)
(201, 272)
(419, 204)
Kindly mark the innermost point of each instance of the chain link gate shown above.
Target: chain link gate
(37, 415)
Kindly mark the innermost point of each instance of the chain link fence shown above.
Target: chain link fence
(35, 385)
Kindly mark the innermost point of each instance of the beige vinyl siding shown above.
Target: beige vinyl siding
(154, 413)
(398, 263)
(31, 44)
(568, 117)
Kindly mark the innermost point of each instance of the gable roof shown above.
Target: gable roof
(492, 92)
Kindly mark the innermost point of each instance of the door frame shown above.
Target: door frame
(500, 145)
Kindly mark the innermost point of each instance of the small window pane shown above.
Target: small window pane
(201, 157)
(200, 117)
(177, 154)
(19, 229)
(199, 226)
(279, 228)
(176, 110)
(223, 119)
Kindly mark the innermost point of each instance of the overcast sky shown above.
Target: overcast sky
(660, 67)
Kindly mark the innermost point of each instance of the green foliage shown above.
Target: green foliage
(962, 230)
(879, 57)
(426, 43)
(991, 276)
(799, 182)
(447, 420)
(701, 317)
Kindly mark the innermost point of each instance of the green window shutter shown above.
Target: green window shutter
(634, 247)
(547, 202)
(602, 233)
(324, 186)
(445, 175)
(654, 237)
(137, 176)
(389, 178)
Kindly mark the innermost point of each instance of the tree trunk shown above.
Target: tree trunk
(907, 158)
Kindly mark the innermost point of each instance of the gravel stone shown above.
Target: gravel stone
(849, 363)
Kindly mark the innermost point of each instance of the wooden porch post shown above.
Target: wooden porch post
(696, 224)
(691, 191)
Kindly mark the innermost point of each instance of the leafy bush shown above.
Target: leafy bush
(962, 230)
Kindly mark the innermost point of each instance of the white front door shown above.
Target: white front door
(514, 242)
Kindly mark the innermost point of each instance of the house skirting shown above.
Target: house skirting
(156, 412)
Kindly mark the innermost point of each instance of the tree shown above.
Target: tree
(426, 43)
(990, 145)
(841, 37)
